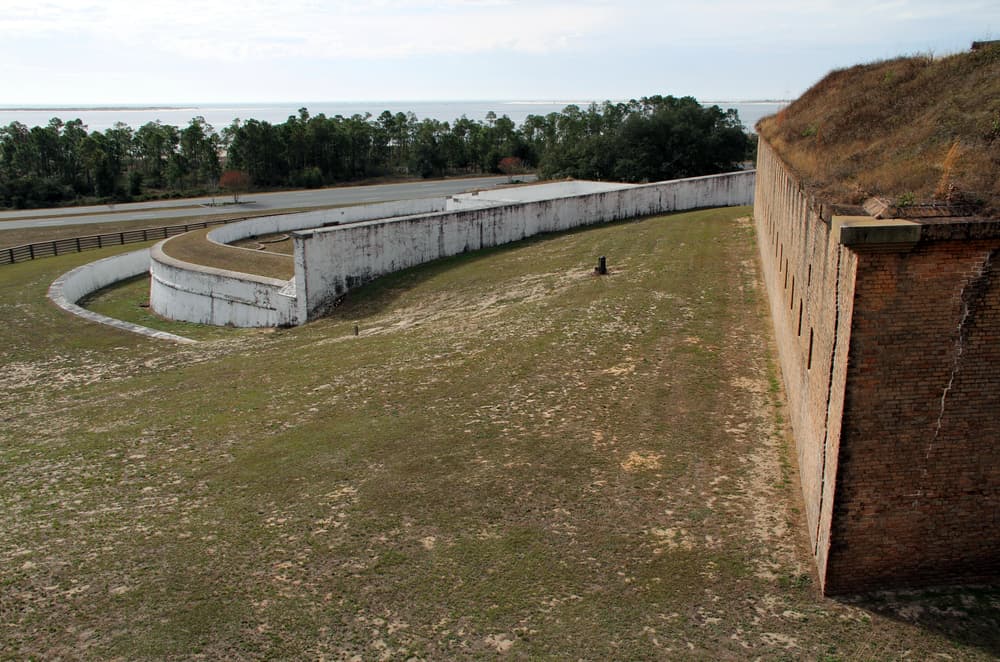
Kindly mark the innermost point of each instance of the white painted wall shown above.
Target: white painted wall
(372, 240)
(330, 261)
(193, 293)
(74, 285)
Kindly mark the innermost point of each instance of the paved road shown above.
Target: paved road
(166, 209)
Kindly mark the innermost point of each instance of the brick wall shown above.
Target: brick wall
(810, 283)
(890, 355)
(918, 489)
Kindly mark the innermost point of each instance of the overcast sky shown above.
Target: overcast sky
(215, 51)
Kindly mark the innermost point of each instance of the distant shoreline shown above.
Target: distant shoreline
(101, 117)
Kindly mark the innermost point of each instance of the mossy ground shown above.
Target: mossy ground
(514, 456)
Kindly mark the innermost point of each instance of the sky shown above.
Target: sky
(107, 52)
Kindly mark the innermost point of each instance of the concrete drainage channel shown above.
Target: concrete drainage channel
(72, 286)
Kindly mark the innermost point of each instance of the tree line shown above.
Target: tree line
(650, 139)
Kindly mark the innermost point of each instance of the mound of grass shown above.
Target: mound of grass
(194, 247)
(512, 456)
(912, 128)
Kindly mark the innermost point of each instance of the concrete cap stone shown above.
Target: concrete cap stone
(864, 231)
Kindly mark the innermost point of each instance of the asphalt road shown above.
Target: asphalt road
(166, 209)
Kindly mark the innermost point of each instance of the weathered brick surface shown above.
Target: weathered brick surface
(918, 487)
(898, 490)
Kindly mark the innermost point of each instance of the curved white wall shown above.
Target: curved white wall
(74, 285)
(366, 241)
(194, 293)
(330, 261)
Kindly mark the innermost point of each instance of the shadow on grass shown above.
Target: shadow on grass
(967, 615)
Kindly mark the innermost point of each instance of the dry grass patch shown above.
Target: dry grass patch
(912, 128)
(194, 247)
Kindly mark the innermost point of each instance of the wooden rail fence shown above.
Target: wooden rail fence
(77, 244)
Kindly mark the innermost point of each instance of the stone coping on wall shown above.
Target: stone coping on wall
(866, 233)
(388, 219)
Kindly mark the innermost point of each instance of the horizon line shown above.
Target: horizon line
(110, 107)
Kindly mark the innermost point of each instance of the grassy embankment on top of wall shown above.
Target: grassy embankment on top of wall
(195, 248)
(911, 129)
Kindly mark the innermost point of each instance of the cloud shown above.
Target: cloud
(210, 49)
(774, 23)
(265, 29)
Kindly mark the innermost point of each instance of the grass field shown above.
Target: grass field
(513, 457)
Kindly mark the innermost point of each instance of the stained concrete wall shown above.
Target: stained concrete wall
(74, 285)
(193, 293)
(369, 240)
(330, 261)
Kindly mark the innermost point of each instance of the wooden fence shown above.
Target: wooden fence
(77, 244)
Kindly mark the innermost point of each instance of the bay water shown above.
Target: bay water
(221, 115)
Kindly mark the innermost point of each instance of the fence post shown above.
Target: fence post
(78, 249)
(121, 238)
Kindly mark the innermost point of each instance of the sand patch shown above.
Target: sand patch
(636, 462)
